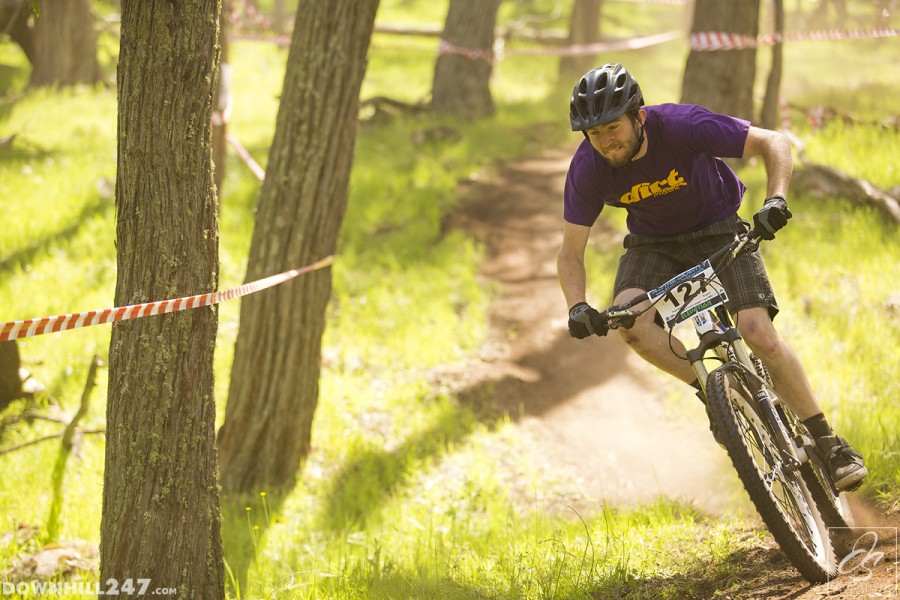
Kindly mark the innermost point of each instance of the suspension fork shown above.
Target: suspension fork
(717, 335)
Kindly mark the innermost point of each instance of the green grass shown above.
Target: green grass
(412, 490)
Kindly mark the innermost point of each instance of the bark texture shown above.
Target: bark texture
(275, 375)
(463, 70)
(222, 99)
(160, 497)
(722, 80)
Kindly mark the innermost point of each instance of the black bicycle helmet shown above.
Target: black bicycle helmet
(604, 94)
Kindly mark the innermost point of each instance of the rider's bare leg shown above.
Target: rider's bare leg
(652, 342)
(784, 366)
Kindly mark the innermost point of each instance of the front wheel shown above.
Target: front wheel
(771, 478)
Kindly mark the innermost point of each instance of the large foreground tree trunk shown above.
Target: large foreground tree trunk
(275, 376)
(160, 496)
(722, 80)
(222, 100)
(463, 70)
(65, 44)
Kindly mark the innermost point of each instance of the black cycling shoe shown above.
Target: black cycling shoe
(845, 464)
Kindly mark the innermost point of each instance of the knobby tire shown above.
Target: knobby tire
(730, 404)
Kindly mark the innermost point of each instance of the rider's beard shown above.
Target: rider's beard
(622, 155)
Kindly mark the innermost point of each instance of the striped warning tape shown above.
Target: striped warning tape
(716, 40)
(32, 327)
(672, 2)
(246, 157)
(701, 41)
(487, 55)
(595, 48)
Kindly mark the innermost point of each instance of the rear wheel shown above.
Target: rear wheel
(772, 479)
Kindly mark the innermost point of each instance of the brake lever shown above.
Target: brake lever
(746, 243)
(623, 318)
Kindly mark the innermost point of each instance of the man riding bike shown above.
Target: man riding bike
(663, 165)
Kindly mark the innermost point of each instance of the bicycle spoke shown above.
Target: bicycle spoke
(770, 466)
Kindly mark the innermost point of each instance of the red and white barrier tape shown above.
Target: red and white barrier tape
(31, 327)
(582, 49)
(241, 10)
(715, 40)
(671, 2)
(785, 113)
(279, 40)
(486, 55)
(246, 157)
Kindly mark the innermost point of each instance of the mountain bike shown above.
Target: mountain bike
(774, 455)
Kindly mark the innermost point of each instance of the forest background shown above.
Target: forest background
(408, 491)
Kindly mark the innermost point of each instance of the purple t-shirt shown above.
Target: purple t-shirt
(680, 185)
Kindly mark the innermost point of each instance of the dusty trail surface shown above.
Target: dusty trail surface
(594, 411)
(595, 408)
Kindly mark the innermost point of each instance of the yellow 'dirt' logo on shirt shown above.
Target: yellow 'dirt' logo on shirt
(658, 188)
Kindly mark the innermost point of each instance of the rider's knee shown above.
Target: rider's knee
(762, 338)
(636, 337)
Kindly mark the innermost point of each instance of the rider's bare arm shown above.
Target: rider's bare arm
(775, 150)
(570, 262)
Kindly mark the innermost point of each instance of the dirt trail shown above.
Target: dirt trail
(594, 407)
(594, 411)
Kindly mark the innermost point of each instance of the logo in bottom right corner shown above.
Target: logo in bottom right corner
(870, 560)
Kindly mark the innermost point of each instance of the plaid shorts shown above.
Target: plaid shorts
(650, 261)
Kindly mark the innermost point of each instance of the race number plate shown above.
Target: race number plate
(673, 293)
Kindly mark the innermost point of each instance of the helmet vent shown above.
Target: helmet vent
(602, 96)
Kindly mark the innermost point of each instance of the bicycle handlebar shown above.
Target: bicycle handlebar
(621, 315)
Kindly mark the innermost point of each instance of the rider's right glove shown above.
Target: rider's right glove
(585, 320)
(771, 217)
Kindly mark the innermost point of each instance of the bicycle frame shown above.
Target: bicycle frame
(719, 338)
(771, 452)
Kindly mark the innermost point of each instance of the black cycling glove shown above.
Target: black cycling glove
(585, 320)
(771, 217)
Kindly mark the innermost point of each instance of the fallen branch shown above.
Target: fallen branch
(821, 181)
(30, 415)
(383, 109)
(827, 113)
(71, 430)
(48, 437)
(385, 103)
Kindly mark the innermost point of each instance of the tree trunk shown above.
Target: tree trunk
(10, 382)
(222, 100)
(161, 516)
(14, 20)
(584, 28)
(770, 109)
(462, 73)
(279, 17)
(275, 375)
(722, 80)
(65, 44)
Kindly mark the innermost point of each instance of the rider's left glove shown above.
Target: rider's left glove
(771, 217)
(585, 320)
